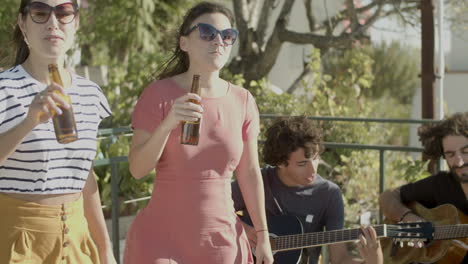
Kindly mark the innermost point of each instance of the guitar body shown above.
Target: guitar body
(281, 226)
(437, 250)
(458, 248)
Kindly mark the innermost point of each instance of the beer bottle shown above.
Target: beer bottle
(64, 124)
(191, 130)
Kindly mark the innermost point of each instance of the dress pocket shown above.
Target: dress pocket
(20, 249)
(216, 239)
(88, 247)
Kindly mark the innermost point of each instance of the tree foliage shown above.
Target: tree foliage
(263, 33)
(134, 37)
(339, 89)
(8, 15)
(396, 70)
(457, 15)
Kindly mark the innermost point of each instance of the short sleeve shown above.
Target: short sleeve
(420, 191)
(251, 126)
(335, 210)
(103, 107)
(148, 112)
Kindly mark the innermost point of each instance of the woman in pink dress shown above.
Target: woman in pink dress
(190, 218)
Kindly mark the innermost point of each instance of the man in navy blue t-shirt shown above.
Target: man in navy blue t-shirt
(293, 187)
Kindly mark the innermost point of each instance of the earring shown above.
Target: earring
(26, 40)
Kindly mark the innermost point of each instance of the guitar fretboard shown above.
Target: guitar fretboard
(320, 238)
(451, 231)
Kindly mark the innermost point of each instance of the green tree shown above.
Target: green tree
(338, 87)
(264, 27)
(396, 70)
(132, 38)
(8, 15)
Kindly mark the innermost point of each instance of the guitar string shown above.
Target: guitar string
(327, 237)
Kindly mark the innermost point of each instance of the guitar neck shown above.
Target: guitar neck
(289, 242)
(451, 231)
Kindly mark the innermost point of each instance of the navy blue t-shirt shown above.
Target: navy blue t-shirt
(317, 206)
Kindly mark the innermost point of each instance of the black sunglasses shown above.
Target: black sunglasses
(40, 12)
(208, 33)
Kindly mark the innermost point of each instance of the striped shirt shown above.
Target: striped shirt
(41, 165)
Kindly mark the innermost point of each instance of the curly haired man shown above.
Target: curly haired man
(447, 139)
(293, 187)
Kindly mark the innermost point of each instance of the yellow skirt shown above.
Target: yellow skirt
(32, 233)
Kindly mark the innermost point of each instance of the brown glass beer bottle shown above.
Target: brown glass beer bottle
(64, 124)
(190, 130)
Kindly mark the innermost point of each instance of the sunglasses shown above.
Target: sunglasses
(40, 12)
(209, 33)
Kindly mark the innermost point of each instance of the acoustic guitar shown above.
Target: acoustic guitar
(450, 238)
(287, 236)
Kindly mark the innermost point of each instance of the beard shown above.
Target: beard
(463, 178)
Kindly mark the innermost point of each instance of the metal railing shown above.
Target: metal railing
(113, 162)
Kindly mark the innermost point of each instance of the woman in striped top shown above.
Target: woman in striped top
(48, 189)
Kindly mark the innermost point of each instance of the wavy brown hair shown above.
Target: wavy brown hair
(287, 135)
(179, 61)
(431, 135)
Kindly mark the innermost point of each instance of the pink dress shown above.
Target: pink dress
(190, 218)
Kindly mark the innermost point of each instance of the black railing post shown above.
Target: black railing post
(381, 178)
(115, 208)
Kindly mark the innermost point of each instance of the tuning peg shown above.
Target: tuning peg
(402, 243)
(410, 243)
(420, 244)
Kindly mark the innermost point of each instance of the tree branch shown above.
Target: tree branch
(306, 71)
(371, 20)
(286, 10)
(268, 6)
(253, 6)
(310, 16)
(268, 57)
(319, 41)
(240, 11)
(352, 14)
(342, 15)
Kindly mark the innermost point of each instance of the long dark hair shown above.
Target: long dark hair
(179, 61)
(22, 50)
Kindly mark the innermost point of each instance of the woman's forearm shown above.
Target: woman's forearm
(252, 190)
(250, 182)
(147, 150)
(94, 215)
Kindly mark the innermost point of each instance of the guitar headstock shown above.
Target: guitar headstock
(411, 232)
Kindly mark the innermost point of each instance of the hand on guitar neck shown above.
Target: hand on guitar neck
(287, 238)
(369, 246)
